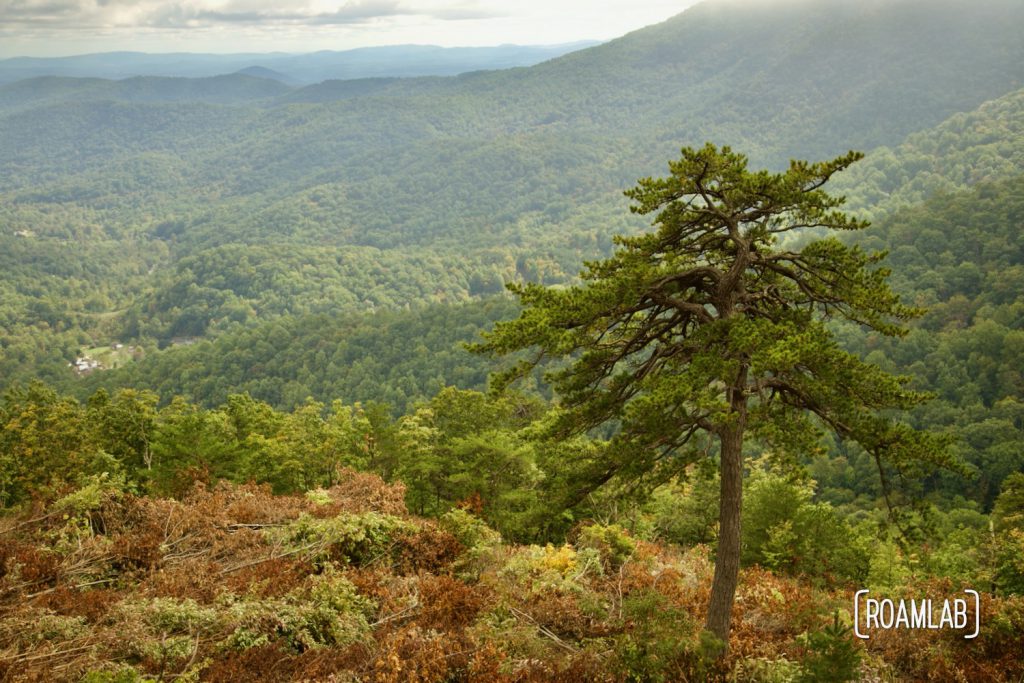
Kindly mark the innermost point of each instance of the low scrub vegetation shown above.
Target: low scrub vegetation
(231, 582)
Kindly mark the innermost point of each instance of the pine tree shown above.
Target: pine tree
(707, 332)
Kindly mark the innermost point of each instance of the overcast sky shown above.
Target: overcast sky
(47, 28)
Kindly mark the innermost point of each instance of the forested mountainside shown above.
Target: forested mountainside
(56, 90)
(958, 256)
(392, 357)
(236, 285)
(148, 199)
(966, 149)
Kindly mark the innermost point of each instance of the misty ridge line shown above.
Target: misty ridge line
(296, 69)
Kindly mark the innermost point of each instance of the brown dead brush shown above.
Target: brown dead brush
(92, 604)
(269, 579)
(429, 549)
(448, 604)
(925, 654)
(363, 491)
(412, 655)
(271, 663)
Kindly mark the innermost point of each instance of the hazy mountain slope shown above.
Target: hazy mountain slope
(796, 79)
(784, 74)
(59, 92)
(263, 72)
(415, 60)
(818, 75)
(125, 64)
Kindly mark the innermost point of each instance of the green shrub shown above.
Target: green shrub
(354, 538)
(784, 530)
(539, 569)
(119, 674)
(686, 514)
(469, 530)
(832, 655)
(1009, 566)
(319, 496)
(325, 611)
(658, 645)
(168, 615)
(767, 671)
(56, 627)
(614, 543)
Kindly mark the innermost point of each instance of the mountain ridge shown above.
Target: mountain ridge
(305, 68)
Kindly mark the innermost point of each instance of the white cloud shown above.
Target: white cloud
(78, 14)
(52, 27)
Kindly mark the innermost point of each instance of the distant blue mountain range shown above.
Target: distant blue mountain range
(293, 69)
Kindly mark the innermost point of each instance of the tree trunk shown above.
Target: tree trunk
(727, 559)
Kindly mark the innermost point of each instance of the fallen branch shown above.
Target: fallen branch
(81, 585)
(543, 630)
(29, 521)
(396, 615)
(228, 570)
(51, 655)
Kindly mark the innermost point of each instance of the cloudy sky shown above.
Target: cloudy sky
(63, 27)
